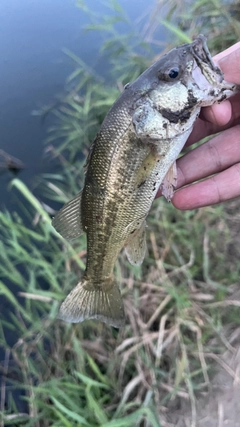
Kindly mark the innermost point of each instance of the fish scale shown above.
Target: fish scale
(132, 155)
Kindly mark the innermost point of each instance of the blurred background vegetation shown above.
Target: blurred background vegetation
(182, 304)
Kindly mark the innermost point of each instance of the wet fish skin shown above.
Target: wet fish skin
(132, 155)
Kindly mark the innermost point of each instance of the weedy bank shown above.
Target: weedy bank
(181, 305)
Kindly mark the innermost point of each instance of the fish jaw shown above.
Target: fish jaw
(209, 76)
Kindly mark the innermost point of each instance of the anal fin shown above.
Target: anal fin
(169, 183)
(135, 247)
(67, 221)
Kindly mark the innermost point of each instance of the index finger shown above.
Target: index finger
(220, 116)
(226, 52)
(229, 62)
(204, 128)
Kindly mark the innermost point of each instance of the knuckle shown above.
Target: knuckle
(214, 154)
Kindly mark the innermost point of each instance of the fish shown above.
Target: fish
(8, 162)
(134, 153)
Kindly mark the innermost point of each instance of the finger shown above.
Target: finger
(203, 128)
(218, 188)
(226, 52)
(229, 62)
(230, 65)
(218, 114)
(213, 156)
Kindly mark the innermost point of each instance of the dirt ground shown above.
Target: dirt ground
(221, 406)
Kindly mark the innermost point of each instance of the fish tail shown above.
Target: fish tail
(90, 301)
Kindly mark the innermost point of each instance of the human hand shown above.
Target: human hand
(218, 160)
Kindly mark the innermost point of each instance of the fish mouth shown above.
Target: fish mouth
(202, 55)
(204, 61)
(207, 75)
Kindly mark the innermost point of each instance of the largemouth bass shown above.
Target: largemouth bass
(132, 155)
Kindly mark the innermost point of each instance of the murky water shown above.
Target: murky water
(34, 69)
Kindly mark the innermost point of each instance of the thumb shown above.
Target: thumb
(218, 114)
(230, 65)
(229, 62)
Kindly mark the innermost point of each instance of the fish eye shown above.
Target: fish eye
(169, 74)
(173, 72)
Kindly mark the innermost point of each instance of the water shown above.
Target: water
(34, 69)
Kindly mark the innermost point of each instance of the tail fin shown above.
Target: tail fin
(89, 301)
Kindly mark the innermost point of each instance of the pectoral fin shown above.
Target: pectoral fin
(169, 183)
(67, 222)
(146, 168)
(136, 245)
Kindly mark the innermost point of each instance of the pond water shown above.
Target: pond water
(33, 71)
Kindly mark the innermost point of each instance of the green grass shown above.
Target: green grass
(178, 304)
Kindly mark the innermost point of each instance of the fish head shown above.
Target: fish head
(172, 91)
